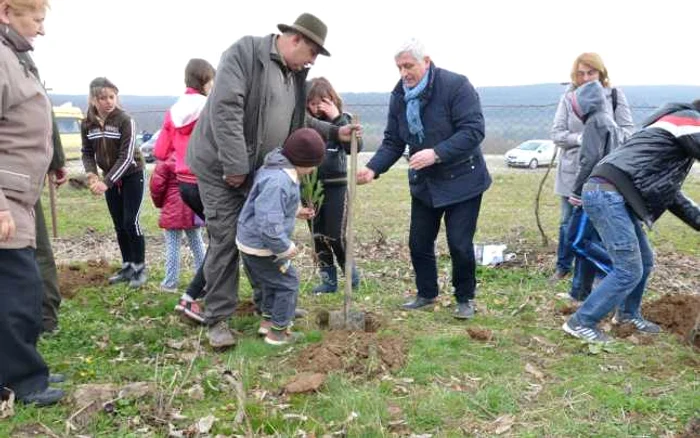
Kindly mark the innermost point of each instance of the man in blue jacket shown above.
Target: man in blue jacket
(436, 113)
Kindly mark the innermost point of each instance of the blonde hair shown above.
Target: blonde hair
(22, 6)
(594, 61)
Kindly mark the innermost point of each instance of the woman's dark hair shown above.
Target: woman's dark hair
(198, 73)
(321, 88)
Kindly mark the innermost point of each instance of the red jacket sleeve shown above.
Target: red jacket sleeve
(164, 144)
(159, 184)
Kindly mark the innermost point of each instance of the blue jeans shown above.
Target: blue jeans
(279, 289)
(565, 255)
(632, 258)
(460, 224)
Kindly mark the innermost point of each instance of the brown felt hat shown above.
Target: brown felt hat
(304, 148)
(311, 27)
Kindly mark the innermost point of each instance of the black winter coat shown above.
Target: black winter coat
(651, 166)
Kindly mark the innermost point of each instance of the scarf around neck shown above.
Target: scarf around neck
(412, 99)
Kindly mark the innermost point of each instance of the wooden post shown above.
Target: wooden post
(349, 235)
(52, 203)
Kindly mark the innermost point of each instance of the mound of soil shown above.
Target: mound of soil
(358, 353)
(675, 313)
(75, 276)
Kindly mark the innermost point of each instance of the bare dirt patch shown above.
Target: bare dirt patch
(675, 313)
(358, 353)
(246, 308)
(692, 430)
(75, 276)
(480, 334)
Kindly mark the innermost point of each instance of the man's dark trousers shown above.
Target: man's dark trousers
(460, 224)
(49, 274)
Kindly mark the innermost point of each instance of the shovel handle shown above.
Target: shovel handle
(349, 235)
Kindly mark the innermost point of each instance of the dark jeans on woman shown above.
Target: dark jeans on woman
(22, 368)
(190, 196)
(565, 254)
(329, 226)
(460, 224)
(124, 204)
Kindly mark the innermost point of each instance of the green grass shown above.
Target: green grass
(529, 374)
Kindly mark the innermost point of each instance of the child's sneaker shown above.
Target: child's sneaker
(281, 337)
(190, 309)
(169, 289)
(641, 324)
(588, 334)
(265, 326)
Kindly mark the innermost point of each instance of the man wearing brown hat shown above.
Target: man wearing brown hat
(265, 228)
(258, 99)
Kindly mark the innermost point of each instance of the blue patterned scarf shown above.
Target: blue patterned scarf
(411, 97)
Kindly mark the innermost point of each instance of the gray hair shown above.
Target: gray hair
(413, 47)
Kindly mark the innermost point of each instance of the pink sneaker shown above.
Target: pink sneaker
(190, 309)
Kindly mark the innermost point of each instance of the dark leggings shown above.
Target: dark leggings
(190, 195)
(124, 204)
(329, 226)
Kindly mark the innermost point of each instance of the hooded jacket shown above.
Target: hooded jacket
(177, 128)
(567, 128)
(266, 222)
(111, 146)
(600, 135)
(650, 167)
(165, 194)
(25, 137)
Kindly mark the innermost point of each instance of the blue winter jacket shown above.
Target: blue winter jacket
(266, 222)
(454, 126)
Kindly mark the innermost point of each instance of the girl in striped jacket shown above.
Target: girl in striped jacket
(109, 143)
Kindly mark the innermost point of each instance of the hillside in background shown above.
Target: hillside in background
(513, 114)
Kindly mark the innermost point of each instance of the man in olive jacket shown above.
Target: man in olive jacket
(257, 100)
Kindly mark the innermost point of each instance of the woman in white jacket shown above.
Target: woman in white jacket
(566, 133)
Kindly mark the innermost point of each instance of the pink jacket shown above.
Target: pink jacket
(174, 214)
(177, 128)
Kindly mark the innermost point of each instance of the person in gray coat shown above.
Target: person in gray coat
(567, 135)
(258, 99)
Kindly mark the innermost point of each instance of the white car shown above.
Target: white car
(532, 154)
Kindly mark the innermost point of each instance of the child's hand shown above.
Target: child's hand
(92, 179)
(328, 108)
(306, 213)
(98, 188)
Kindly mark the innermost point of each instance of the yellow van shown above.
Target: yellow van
(68, 119)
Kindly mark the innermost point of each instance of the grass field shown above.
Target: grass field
(510, 371)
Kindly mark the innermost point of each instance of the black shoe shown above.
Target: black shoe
(418, 303)
(465, 310)
(57, 378)
(47, 397)
(125, 274)
(138, 278)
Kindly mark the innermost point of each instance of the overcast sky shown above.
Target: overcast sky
(143, 45)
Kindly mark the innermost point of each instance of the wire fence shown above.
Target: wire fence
(506, 125)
